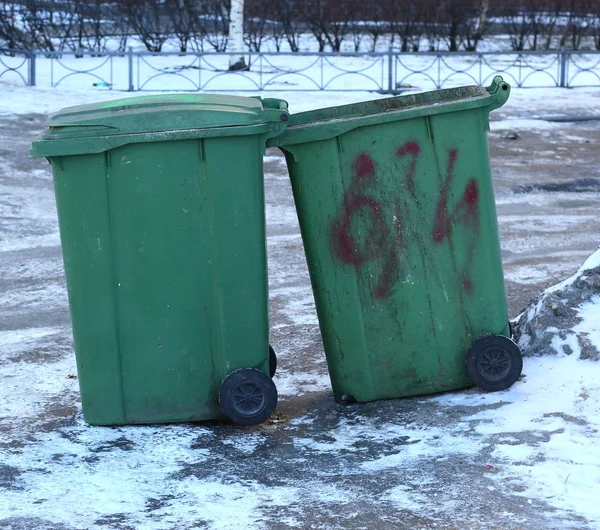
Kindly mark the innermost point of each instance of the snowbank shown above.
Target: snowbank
(565, 318)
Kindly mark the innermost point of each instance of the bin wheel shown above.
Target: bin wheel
(494, 362)
(247, 396)
(272, 361)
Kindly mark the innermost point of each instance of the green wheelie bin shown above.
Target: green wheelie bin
(397, 214)
(161, 213)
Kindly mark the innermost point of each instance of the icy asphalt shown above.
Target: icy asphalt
(412, 463)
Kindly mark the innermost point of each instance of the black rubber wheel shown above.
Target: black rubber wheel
(247, 396)
(494, 362)
(272, 361)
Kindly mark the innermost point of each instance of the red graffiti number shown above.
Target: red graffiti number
(378, 242)
(384, 241)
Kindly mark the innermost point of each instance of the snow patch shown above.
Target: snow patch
(564, 318)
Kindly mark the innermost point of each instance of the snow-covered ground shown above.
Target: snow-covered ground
(524, 458)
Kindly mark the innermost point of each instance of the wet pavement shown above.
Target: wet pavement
(317, 464)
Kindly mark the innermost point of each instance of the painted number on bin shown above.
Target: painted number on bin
(384, 240)
(466, 213)
(381, 241)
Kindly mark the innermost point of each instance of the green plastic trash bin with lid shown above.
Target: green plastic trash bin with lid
(161, 214)
(397, 215)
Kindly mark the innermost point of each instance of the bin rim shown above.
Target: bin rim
(315, 125)
(42, 147)
(95, 128)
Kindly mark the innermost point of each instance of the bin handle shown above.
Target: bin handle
(272, 103)
(499, 91)
(276, 112)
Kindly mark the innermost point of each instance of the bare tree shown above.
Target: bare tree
(405, 18)
(256, 21)
(547, 24)
(595, 23)
(315, 17)
(328, 21)
(357, 24)
(213, 23)
(120, 25)
(78, 31)
(287, 13)
(577, 26)
(342, 15)
(377, 21)
(92, 25)
(48, 24)
(433, 30)
(55, 25)
(278, 32)
(453, 17)
(10, 33)
(461, 23)
(477, 24)
(518, 24)
(182, 18)
(98, 27)
(236, 35)
(149, 23)
(534, 24)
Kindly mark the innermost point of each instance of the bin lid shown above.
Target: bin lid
(101, 126)
(322, 124)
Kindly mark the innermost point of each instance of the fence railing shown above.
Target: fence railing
(17, 65)
(389, 72)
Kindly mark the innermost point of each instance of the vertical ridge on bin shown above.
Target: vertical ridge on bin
(81, 199)
(239, 244)
(217, 349)
(449, 154)
(339, 177)
(261, 148)
(344, 161)
(341, 349)
(489, 225)
(114, 281)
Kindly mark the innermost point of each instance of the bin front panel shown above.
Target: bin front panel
(187, 220)
(82, 203)
(399, 226)
(165, 258)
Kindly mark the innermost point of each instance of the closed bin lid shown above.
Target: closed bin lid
(102, 126)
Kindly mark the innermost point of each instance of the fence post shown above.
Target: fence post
(391, 87)
(31, 68)
(130, 62)
(563, 67)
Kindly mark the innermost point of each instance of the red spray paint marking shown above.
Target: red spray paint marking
(379, 241)
(364, 167)
(466, 212)
(389, 274)
(345, 246)
(384, 242)
(468, 285)
(414, 150)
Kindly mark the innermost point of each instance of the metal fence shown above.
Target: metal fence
(389, 72)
